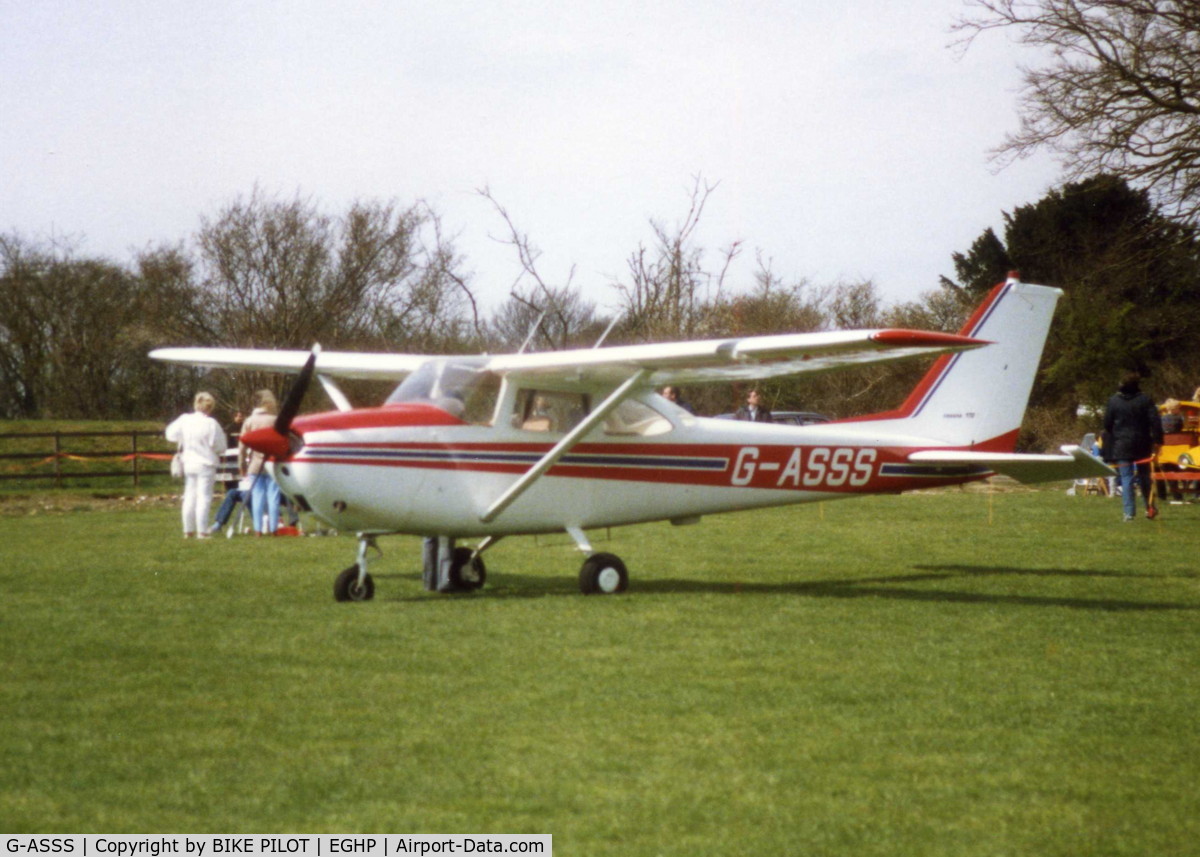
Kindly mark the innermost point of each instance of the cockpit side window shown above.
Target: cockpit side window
(482, 398)
(417, 387)
(454, 385)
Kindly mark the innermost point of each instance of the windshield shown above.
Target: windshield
(458, 385)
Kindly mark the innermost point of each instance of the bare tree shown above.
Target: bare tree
(25, 341)
(74, 332)
(771, 306)
(848, 306)
(562, 317)
(281, 273)
(1119, 91)
(435, 311)
(557, 318)
(942, 309)
(670, 288)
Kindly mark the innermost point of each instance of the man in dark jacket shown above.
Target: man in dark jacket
(1134, 434)
(754, 410)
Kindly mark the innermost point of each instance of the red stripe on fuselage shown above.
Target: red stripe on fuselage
(404, 415)
(835, 469)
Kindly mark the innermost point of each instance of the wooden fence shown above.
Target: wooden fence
(63, 457)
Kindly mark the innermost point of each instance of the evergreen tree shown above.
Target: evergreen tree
(1131, 279)
(980, 268)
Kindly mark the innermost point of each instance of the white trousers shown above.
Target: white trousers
(197, 499)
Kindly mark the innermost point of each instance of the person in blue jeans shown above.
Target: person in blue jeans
(1133, 435)
(264, 491)
(228, 472)
(264, 503)
(233, 496)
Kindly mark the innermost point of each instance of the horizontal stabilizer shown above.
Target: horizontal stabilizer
(1074, 463)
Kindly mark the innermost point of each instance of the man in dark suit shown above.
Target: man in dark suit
(754, 410)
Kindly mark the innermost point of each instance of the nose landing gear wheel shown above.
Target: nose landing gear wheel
(603, 574)
(347, 588)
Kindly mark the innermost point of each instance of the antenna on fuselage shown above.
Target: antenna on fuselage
(607, 330)
(532, 330)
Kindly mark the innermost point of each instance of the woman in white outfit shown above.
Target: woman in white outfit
(201, 440)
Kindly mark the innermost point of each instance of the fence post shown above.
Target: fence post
(60, 441)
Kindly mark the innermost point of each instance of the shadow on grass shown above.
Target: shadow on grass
(509, 586)
(895, 587)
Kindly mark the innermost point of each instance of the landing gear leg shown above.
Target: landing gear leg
(354, 584)
(436, 573)
(451, 569)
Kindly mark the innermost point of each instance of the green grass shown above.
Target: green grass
(937, 674)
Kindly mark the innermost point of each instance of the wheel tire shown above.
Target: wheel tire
(467, 573)
(347, 588)
(603, 574)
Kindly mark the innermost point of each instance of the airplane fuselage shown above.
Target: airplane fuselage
(414, 469)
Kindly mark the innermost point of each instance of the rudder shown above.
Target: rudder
(977, 398)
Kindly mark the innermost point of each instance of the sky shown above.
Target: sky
(845, 141)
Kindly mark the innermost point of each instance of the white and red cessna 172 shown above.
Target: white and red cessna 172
(490, 446)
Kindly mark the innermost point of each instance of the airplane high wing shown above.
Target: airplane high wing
(745, 358)
(340, 364)
(486, 446)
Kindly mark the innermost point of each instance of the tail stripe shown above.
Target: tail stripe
(971, 328)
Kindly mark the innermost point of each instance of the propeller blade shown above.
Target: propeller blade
(291, 404)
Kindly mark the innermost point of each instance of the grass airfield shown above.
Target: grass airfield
(938, 674)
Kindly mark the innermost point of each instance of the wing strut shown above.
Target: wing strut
(335, 393)
(563, 446)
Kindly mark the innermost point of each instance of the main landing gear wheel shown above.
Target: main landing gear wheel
(347, 588)
(603, 574)
(467, 573)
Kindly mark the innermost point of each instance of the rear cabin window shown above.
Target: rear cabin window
(549, 411)
(558, 413)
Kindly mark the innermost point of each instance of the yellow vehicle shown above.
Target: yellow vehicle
(1181, 449)
(1179, 457)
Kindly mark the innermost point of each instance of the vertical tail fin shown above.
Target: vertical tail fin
(978, 398)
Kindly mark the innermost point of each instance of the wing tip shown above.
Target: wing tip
(905, 338)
